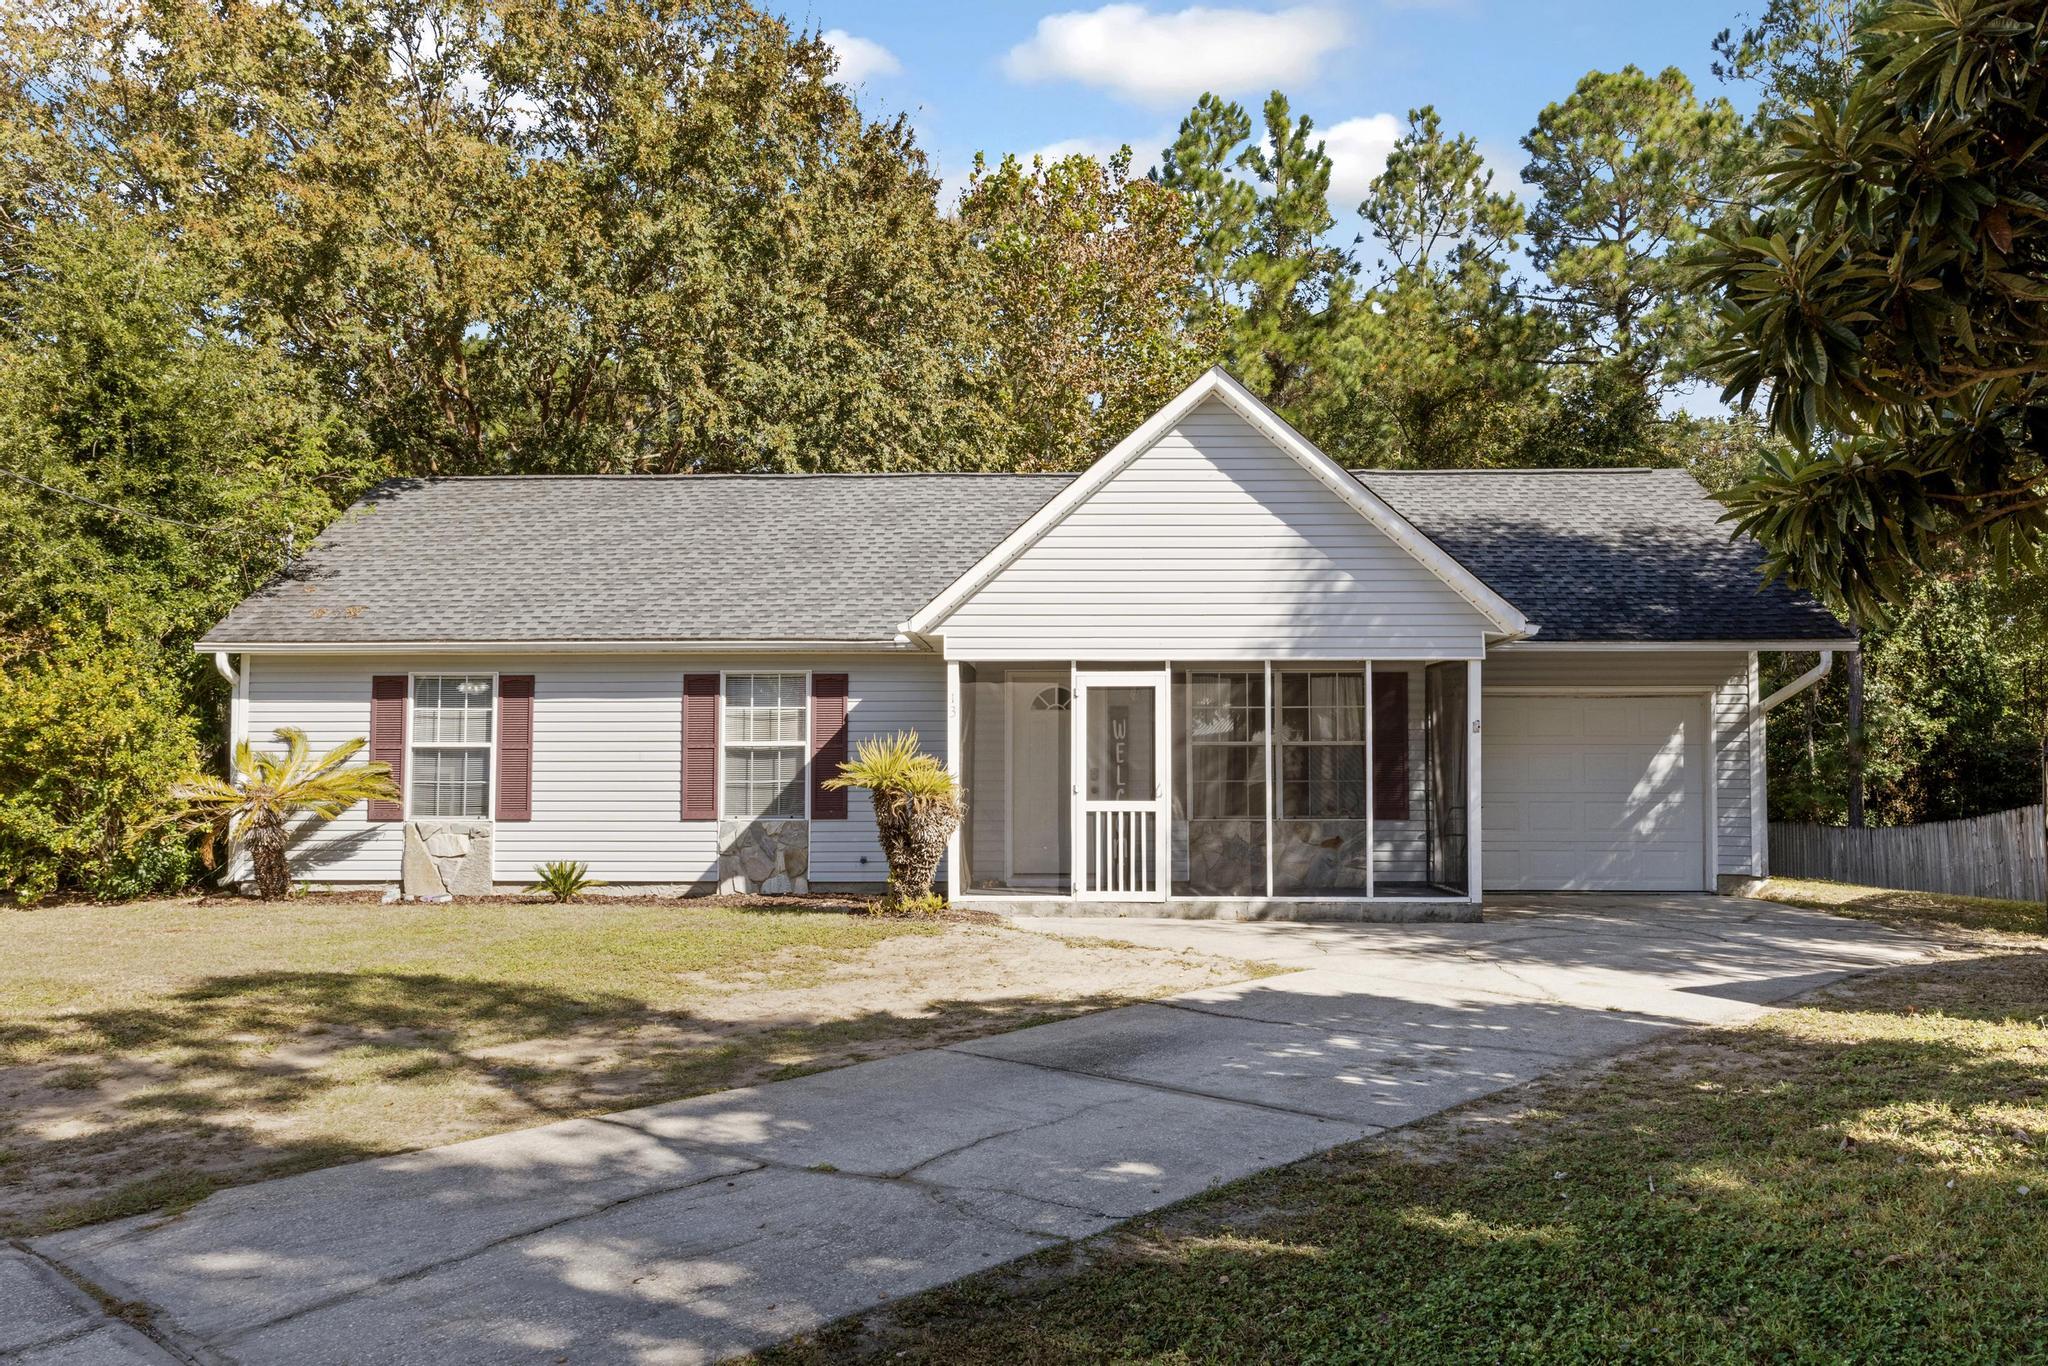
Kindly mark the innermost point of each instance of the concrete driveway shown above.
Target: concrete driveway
(702, 1228)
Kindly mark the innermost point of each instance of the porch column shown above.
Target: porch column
(1473, 670)
(956, 766)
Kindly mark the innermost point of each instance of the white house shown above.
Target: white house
(1214, 673)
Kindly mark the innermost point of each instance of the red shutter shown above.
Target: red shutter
(700, 747)
(1390, 747)
(828, 745)
(515, 747)
(387, 738)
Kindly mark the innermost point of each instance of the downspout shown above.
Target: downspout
(1803, 682)
(238, 685)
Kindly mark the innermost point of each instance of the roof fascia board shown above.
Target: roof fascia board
(561, 647)
(1215, 383)
(1655, 646)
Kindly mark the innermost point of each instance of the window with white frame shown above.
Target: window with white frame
(1226, 751)
(1322, 745)
(766, 739)
(450, 763)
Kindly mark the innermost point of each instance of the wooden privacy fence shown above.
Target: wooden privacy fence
(1999, 855)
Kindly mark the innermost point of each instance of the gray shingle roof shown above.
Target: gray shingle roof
(1622, 555)
(1625, 555)
(841, 558)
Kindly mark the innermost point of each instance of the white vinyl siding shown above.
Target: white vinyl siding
(1724, 674)
(884, 696)
(1214, 544)
(607, 759)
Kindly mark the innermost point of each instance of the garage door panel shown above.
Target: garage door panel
(1547, 719)
(1633, 769)
(1544, 771)
(1594, 793)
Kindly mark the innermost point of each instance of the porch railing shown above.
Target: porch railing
(1123, 849)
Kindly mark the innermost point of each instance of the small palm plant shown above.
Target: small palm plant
(563, 880)
(917, 808)
(272, 790)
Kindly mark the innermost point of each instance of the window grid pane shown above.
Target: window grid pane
(450, 783)
(450, 761)
(765, 725)
(452, 711)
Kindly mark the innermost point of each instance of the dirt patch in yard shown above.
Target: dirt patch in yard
(151, 1055)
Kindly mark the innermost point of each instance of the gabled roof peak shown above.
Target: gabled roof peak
(1218, 384)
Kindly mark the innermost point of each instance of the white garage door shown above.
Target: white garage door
(1594, 794)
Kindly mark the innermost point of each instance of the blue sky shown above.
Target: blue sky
(1010, 76)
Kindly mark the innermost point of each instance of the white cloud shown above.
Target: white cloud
(1170, 57)
(860, 58)
(1358, 152)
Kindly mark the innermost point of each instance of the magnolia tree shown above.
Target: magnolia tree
(1892, 309)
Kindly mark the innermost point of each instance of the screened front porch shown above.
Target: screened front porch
(1229, 782)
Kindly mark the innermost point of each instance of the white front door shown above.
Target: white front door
(1121, 824)
(1595, 793)
(1040, 706)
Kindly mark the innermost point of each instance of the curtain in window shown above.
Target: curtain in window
(1445, 716)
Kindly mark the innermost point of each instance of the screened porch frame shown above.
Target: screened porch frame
(1167, 776)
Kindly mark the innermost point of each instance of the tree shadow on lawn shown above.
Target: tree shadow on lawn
(1863, 1178)
(237, 1078)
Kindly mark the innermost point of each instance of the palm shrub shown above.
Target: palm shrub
(563, 880)
(270, 791)
(917, 808)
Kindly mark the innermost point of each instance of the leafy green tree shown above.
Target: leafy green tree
(1200, 167)
(1628, 171)
(1298, 286)
(1897, 299)
(157, 468)
(522, 236)
(93, 730)
(1435, 213)
(1083, 288)
(1951, 712)
(1436, 367)
(153, 469)
(1798, 54)
(1263, 258)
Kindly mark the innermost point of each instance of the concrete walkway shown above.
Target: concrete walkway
(698, 1229)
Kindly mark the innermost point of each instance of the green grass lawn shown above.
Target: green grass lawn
(1862, 1177)
(151, 1053)
(1920, 910)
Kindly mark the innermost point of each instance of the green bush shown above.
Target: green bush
(563, 880)
(92, 735)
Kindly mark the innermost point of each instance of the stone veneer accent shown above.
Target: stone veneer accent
(447, 858)
(771, 858)
(1322, 855)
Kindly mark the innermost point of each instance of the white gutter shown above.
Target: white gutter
(225, 669)
(1803, 682)
(557, 647)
